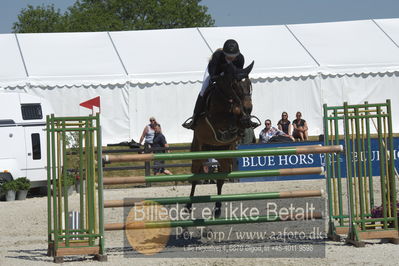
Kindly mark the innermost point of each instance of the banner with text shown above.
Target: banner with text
(302, 160)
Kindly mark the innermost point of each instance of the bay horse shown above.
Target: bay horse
(227, 114)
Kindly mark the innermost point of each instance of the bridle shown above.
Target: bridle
(235, 89)
(240, 92)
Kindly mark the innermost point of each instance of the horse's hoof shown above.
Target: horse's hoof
(217, 212)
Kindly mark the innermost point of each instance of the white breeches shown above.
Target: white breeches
(205, 82)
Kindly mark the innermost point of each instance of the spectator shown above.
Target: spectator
(148, 134)
(300, 128)
(284, 124)
(272, 134)
(211, 166)
(159, 141)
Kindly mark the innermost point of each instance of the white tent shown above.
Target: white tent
(158, 73)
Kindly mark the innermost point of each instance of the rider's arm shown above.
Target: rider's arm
(213, 64)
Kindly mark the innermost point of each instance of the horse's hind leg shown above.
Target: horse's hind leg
(196, 168)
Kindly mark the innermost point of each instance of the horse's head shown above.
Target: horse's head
(236, 86)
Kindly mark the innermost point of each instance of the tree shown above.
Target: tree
(113, 15)
(39, 19)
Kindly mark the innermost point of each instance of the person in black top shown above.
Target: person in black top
(284, 124)
(300, 128)
(159, 141)
(230, 54)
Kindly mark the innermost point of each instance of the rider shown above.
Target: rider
(230, 54)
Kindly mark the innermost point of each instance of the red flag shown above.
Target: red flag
(90, 103)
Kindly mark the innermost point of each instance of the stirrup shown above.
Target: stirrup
(189, 123)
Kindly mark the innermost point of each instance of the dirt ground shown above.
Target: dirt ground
(23, 233)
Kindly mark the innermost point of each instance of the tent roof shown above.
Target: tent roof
(391, 28)
(63, 57)
(349, 47)
(275, 51)
(151, 56)
(12, 70)
(181, 55)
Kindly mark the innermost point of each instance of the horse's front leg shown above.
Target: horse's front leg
(218, 204)
(225, 167)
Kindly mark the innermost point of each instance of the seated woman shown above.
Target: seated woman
(300, 128)
(284, 124)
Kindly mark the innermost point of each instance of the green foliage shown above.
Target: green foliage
(10, 185)
(69, 180)
(22, 183)
(39, 19)
(114, 15)
(72, 143)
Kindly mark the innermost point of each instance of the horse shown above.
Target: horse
(227, 114)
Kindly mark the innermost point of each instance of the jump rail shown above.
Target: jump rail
(222, 154)
(214, 198)
(207, 222)
(196, 177)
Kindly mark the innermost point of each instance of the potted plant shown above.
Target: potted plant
(23, 185)
(10, 188)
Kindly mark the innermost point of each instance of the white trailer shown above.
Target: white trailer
(23, 138)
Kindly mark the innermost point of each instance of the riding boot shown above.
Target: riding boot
(198, 109)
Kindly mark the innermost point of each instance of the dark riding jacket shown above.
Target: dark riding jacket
(215, 66)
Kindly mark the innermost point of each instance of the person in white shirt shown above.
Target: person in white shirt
(270, 132)
(148, 134)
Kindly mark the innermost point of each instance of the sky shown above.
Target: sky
(250, 12)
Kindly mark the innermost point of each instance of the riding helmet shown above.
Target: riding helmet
(230, 48)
